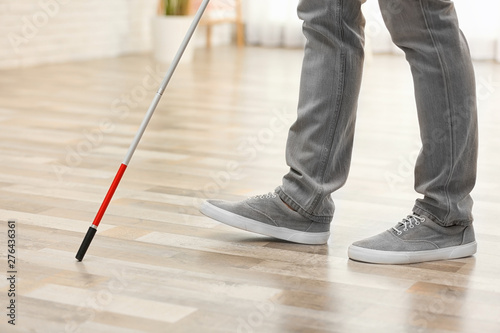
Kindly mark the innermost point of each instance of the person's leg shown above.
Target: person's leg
(445, 173)
(320, 141)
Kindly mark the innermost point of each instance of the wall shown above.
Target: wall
(34, 32)
(48, 31)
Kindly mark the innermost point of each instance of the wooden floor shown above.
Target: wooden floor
(158, 265)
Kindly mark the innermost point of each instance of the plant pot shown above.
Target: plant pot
(168, 34)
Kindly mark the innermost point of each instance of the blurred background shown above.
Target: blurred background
(51, 31)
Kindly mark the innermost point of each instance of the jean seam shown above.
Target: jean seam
(448, 102)
(326, 157)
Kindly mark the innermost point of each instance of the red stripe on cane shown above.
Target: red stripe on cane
(109, 195)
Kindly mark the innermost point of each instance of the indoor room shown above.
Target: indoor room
(249, 166)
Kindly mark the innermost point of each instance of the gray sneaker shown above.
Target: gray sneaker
(267, 215)
(415, 239)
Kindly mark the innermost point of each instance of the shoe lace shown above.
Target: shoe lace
(270, 195)
(408, 222)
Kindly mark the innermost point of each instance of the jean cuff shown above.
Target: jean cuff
(290, 202)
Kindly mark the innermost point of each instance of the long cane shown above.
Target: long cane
(93, 228)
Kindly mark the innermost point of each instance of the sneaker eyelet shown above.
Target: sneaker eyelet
(399, 233)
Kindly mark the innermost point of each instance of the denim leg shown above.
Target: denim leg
(445, 172)
(320, 142)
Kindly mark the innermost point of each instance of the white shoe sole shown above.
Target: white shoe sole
(241, 222)
(394, 257)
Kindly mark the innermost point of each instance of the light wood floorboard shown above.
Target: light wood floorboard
(158, 265)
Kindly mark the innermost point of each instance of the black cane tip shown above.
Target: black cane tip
(86, 243)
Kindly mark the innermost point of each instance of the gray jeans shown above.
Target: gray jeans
(320, 141)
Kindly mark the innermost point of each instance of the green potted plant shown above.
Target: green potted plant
(174, 7)
(169, 28)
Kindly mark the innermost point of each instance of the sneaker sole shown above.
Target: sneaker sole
(241, 222)
(388, 257)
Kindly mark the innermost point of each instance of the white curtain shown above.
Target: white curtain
(275, 23)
